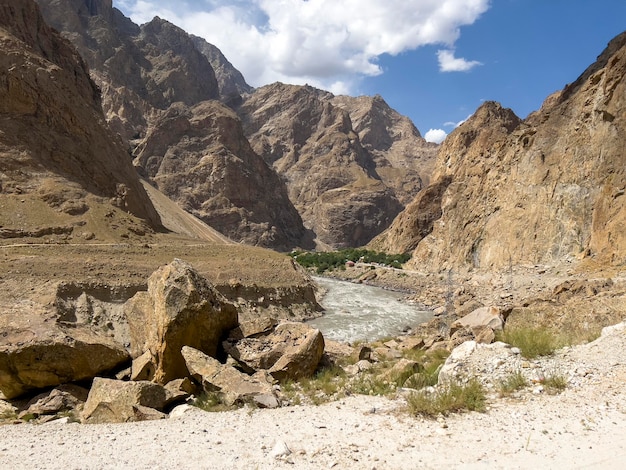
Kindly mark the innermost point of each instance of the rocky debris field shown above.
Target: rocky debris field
(582, 427)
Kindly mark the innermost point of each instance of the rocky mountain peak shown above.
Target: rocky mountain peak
(545, 190)
(99, 7)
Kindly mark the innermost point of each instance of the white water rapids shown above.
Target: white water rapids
(358, 312)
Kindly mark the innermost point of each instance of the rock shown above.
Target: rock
(182, 410)
(180, 309)
(41, 354)
(114, 401)
(291, 351)
(145, 413)
(412, 343)
(63, 398)
(403, 368)
(484, 335)
(482, 317)
(335, 352)
(251, 328)
(360, 366)
(386, 353)
(234, 387)
(143, 367)
(178, 390)
(280, 450)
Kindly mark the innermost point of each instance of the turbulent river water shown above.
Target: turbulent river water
(357, 312)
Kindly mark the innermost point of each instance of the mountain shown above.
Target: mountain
(200, 158)
(349, 163)
(232, 85)
(64, 174)
(337, 169)
(543, 190)
(160, 92)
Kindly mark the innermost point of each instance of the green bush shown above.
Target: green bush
(512, 383)
(454, 397)
(532, 342)
(328, 260)
(554, 383)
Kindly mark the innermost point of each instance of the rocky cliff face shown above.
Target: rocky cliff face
(348, 162)
(157, 88)
(62, 168)
(544, 190)
(230, 81)
(140, 70)
(200, 157)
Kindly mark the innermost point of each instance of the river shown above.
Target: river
(358, 312)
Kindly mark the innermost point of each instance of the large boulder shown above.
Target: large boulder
(115, 401)
(179, 309)
(43, 354)
(233, 386)
(291, 351)
(482, 317)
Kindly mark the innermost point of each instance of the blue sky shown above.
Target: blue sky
(435, 61)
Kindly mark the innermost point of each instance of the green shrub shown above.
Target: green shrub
(532, 342)
(211, 401)
(554, 383)
(454, 397)
(328, 260)
(512, 383)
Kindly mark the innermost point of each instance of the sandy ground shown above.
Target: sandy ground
(583, 427)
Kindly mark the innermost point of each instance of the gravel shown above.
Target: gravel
(582, 427)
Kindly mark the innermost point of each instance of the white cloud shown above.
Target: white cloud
(435, 135)
(456, 124)
(449, 63)
(326, 43)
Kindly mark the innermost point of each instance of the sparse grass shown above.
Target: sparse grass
(429, 375)
(370, 384)
(448, 399)
(325, 385)
(532, 342)
(512, 383)
(212, 401)
(555, 383)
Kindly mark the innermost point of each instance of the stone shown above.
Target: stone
(335, 353)
(42, 354)
(182, 410)
(402, 368)
(143, 367)
(114, 401)
(62, 398)
(293, 350)
(145, 413)
(233, 386)
(360, 366)
(412, 343)
(254, 327)
(363, 352)
(484, 335)
(178, 390)
(482, 317)
(179, 309)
